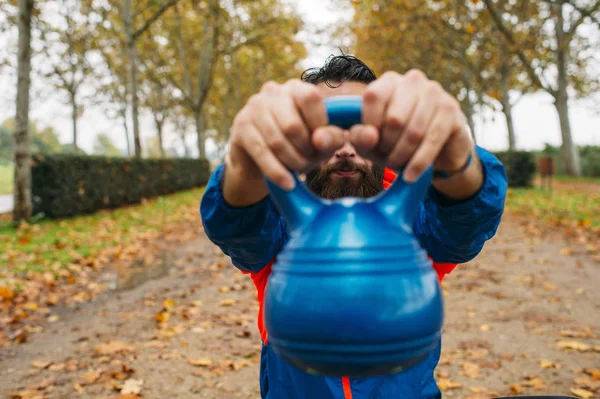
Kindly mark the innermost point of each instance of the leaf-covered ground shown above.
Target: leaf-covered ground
(521, 319)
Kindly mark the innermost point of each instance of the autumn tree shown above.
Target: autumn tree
(547, 38)
(67, 32)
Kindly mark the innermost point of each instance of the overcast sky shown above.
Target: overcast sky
(535, 118)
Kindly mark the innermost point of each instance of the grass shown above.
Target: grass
(47, 244)
(578, 203)
(6, 179)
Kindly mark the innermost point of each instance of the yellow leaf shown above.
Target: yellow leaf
(6, 293)
(595, 373)
(227, 302)
(132, 386)
(445, 384)
(566, 251)
(162, 317)
(548, 364)
(575, 345)
(201, 362)
(582, 393)
(484, 327)
(169, 304)
(31, 306)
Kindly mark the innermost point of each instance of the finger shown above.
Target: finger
(328, 139)
(438, 132)
(292, 125)
(310, 102)
(377, 97)
(401, 109)
(364, 138)
(270, 166)
(415, 131)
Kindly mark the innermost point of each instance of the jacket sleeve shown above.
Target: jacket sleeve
(456, 232)
(251, 236)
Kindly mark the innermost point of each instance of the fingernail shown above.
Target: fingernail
(289, 183)
(410, 175)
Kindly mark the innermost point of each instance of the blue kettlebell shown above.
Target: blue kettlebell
(352, 293)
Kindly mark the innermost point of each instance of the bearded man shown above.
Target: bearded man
(409, 124)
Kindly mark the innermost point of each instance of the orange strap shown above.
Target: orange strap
(347, 389)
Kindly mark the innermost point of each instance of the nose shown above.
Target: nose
(347, 151)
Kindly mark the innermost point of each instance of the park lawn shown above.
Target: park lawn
(43, 245)
(562, 206)
(6, 179)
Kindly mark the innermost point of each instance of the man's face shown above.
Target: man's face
(345, 174)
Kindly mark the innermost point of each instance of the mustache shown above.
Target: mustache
(345, 165)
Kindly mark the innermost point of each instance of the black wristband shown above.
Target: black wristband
(439, 174)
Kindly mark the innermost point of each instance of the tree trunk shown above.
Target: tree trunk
(505, 98)
(74, 120)
(569, 149)
(22, 183)
(159, 130)
(200, 132)
(128, 19)
(126, 129)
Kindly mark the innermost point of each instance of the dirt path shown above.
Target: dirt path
(193, 333)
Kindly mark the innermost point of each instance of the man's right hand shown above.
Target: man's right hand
(282, 127)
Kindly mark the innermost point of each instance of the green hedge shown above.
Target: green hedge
(520, 167)
(68, 185)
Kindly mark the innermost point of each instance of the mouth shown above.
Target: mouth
(346, 173)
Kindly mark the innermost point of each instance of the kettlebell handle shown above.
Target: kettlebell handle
(399, 202)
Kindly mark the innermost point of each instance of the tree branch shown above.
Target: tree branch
(153, 18)
(509, 37)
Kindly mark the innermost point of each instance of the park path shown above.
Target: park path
(522, 318)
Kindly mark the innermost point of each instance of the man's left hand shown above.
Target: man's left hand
(412, 122)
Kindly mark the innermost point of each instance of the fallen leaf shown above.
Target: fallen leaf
(113, 347)
(227, 302)
(444, 384)
(582, 393)
(566, 251)
(169, 304)
(132, 386)
(595, 373)
(6, 293)
(31, 306)
(39, 364)
(53, 318)
(201, 362)
(485, 327)
(162, 316)
(548, 364)
(575, 345)
(57, 367)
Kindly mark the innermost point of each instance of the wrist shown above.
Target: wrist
(464, 182)
(241, 186)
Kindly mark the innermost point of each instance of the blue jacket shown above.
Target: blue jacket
(450, 232)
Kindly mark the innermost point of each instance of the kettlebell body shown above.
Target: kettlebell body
(352, 293)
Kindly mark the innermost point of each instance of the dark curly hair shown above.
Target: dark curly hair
(339, 69)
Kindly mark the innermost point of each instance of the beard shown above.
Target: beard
(368, 184)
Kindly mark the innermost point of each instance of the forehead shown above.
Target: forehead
(345, 89)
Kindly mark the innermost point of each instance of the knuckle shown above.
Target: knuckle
(434, 88)
(392, 75)
(372, 94)
(416, 75)
(311, 95)
(292, 129)
(394, 121)
(449, 104)
(270, 87)
(414, 134)
(276, 143)
(253, 145)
